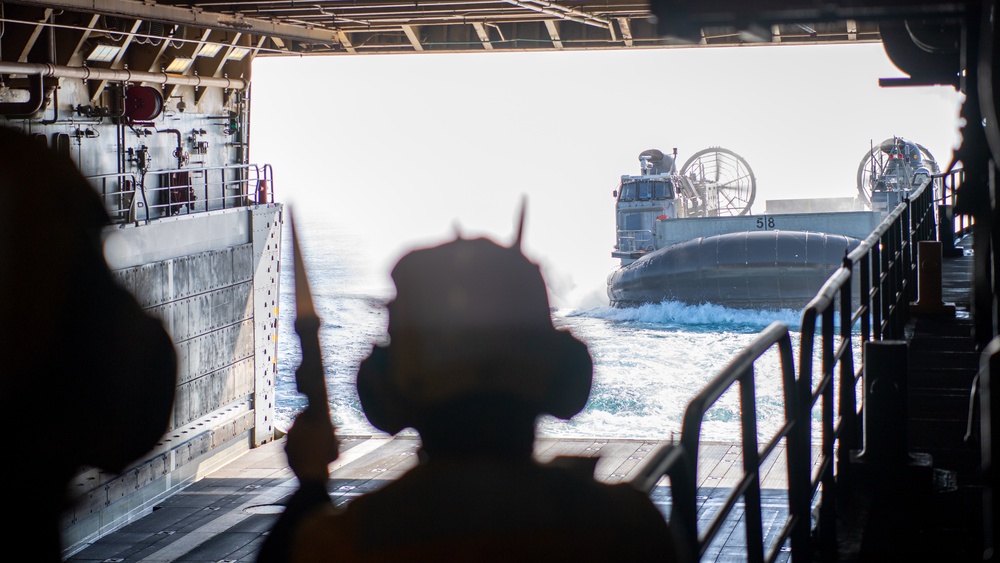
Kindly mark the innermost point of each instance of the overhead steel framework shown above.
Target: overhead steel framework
(269, 27)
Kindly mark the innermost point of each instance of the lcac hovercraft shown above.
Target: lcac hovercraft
(891, 170)
(688, 235)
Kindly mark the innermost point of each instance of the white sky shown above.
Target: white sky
(401, 148)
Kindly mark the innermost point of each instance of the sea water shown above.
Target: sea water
(649, 361)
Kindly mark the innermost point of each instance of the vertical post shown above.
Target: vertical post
(946, 231)
(799, 451)
(865, 295)
(827, 508)
(929, 290)
(885, 395)
(907, 279)
(876, 254)
(751, 466)
(848, 398)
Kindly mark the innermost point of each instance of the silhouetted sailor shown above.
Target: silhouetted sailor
(473, 360)
(88, 378)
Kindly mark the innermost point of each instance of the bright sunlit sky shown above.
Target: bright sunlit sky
(402, 148)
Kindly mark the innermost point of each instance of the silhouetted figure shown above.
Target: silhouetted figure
(87, 378)
(473, 360)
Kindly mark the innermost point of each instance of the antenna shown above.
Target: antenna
(520, 222)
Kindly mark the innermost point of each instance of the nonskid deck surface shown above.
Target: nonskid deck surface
(225, 516)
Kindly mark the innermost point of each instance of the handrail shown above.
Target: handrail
(630, 241)
(164, 193)
(884, 266)
(680, 461)
(117, 191)
(673, 462)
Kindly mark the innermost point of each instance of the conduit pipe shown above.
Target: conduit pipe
(117, 75)
(33, 104)
(36, 91)
(179, 152)
(563, 12)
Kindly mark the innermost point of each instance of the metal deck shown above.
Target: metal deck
(224, 516)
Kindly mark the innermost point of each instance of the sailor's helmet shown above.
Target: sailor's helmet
(471, 318)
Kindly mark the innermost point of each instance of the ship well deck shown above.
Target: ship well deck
(226, 514)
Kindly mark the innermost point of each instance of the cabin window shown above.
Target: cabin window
(628, 191)
(631, 222)
(645, 190)
(663, 190)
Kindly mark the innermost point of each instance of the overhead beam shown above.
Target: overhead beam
(345, 42)
(30, 44)
(554, 34)
(563, 12)
(259, 46)
(484, 35)
(85, 35)
(117, 62)
(197, 17)
(219, 64)
(411, 34)
(187, 50)
(626, 31)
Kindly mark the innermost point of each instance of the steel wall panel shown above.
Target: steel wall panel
(208, 301)
(222, 268)
(150, 284)
(243, 263)
(202, 396)
(200, 356)
(184, 235)
(266, 259)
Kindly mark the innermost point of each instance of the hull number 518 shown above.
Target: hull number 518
(765, 223)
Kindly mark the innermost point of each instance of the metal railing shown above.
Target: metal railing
(165, 193)
(679, 462)
(635, 241)
(885, 267)
(118, 191)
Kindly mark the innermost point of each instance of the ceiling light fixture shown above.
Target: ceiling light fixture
(179, 65)
(104, 53)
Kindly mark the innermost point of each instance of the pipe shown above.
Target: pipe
(563, 12)
(179, 153)
(36, 90)
(116, 75)
(33, 103)
(54, 89)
